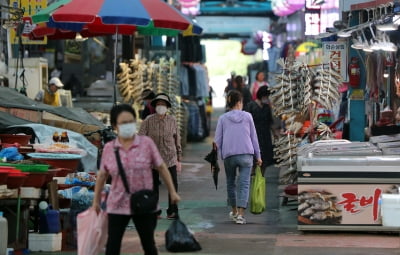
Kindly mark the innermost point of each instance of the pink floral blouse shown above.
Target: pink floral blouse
(137, 161)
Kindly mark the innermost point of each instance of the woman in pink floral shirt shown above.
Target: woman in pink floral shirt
(138, 155)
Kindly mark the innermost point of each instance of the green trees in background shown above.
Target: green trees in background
(224, 56)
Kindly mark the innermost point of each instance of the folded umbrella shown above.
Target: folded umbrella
(212, 158)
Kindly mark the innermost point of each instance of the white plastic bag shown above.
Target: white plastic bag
(92, 231)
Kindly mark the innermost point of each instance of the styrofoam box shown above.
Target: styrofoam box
(45, 242)
(390, 210)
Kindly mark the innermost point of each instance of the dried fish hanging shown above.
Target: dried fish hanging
(326, 87)
(162, 77)
(294, 97)
(132, 80)
(167, 82)
(286, 156)
(123, 81)
(287, 100)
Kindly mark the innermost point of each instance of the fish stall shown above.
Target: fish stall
(346, 185)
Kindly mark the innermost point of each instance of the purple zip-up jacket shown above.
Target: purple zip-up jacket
(236, 134)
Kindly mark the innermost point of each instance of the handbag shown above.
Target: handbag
(143, 201)
(257, 192)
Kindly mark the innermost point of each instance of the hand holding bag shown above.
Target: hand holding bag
(179, 239)
(141, 202)
(257, 192)
(92, 231)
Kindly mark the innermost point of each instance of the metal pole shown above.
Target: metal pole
(18, 215)
(115, 66)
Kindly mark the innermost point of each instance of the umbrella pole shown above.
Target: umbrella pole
(18, 215)
(115, 66)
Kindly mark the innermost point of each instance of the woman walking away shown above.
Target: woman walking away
(244, 90)
(163, 129)
(261, 112)
(236, 140)
(138, 154)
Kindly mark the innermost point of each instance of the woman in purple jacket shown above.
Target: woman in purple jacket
(237, 142)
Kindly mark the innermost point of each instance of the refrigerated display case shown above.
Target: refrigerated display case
(342, 190)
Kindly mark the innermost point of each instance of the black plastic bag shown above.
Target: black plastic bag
(179, 239)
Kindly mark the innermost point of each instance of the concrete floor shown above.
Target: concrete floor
(274, 232)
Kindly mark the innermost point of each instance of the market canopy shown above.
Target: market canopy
(11, 99)
(7, 120)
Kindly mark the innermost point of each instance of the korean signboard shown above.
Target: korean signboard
(336, 54)
(30, 8)
(341, 204)
(312, 18)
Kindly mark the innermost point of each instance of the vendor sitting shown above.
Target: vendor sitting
(51, 95)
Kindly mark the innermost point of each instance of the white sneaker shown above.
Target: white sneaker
(240, 220)
(233, 216)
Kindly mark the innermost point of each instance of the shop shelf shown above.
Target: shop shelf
(28, 167)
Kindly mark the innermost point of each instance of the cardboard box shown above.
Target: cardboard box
(45, 242)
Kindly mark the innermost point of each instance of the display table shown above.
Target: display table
(344, 192)
(17, 238)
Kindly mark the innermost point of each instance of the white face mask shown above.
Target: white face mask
(127, 130)
(161, 109)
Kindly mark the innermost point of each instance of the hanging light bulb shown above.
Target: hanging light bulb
(366, 44)
(386, 74)
(344, 33)
(387, 24)
(357, 43)
(387, 45)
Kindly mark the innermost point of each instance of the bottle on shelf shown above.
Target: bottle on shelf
(56, 137)
(64, 137)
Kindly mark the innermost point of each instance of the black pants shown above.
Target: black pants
(145, 226)
(172, 208)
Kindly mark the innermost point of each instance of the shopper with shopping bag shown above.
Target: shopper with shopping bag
(129, 160)
(237, 143)
(257, 192)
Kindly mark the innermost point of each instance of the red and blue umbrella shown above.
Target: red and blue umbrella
(151, 17)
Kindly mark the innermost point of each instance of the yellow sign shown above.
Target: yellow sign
(30, 8)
